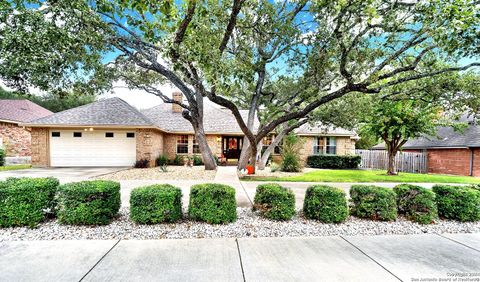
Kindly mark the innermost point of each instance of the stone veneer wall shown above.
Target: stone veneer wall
(345, 146)
(170, 144)
(150, 144)
(15, 139)
(40, 147)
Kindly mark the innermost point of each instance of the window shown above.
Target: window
(77, 134)
(331, 147)
(325, 145)
(182, 144)
(130, 135)
(196, 148)
(55, 134)
(319, 146)
(109, 134)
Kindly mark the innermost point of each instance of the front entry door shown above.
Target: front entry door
(232, 146)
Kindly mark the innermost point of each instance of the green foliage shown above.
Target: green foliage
(460, 203)
(325, 203)
(334, 161)
(274, 167)
(212, 203)
(292, 144)
(161, 160)
(2, 157)
(366, 142)
(142, 163)
(417, 203)
(26, 201)
(274, 201)
(93, 202)
(156, 204)
(178, 160)
(373, 202)
(197, 160)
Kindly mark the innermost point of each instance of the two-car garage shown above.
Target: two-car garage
(89, 147)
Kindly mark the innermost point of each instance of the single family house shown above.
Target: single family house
(111, 132)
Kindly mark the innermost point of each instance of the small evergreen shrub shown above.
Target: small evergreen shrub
(93, 202)
(197, 160)
(325, 203)
(178, 160)
(416, 203)
(156, 204)
(143, 163)
(377, 203)
(292, 145)
(460, 203)
(162, 160)
(212, 203)
(334, 161)
(274, 201)
(26, 201)
(2, 157)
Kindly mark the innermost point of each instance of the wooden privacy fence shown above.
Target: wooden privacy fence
(405, 161)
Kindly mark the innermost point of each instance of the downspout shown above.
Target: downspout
(471, 161)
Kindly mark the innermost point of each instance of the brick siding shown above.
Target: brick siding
(15, 139)
(149, 144)
(40, 150)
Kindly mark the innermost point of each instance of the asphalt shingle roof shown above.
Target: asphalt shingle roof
(21, 110)
(215, 120)
(113, 111)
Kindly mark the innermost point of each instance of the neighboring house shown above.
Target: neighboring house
(450, 152)
(113, 133)
(15, 138)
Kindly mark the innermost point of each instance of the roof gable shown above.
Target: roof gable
(21, 110)
(113, 111)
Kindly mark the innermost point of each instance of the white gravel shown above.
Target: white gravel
(155, 173)
(249, 224)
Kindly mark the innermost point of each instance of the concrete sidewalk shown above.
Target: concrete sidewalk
(358, 258)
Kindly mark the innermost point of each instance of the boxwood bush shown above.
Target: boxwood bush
(458, 202)
(325, 203)
(156, 204)
(373, 202)
(274, 201)
(416, 203)
(212, 203)
(2, 157)
(26, 201)
(334, 161)
(93, 202)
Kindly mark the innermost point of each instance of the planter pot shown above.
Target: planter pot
(250, 169)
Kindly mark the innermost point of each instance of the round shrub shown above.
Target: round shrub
(416, 203)
(377, 203)
(460, 203)
(274, 201)
(26, 201)
(156, 204)
(325, 203)
(212, 203)
(88, 202)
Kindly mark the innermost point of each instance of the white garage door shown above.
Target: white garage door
(92, 148)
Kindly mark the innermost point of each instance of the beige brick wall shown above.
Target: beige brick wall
(15, 139)
(149, 144)
(170, 144)
(40, 147)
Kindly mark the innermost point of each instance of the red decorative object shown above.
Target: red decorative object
(250, 169)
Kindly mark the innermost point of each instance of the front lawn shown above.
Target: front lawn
(366, 176)
(14, 167)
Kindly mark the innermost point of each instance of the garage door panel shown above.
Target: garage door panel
(92, 149)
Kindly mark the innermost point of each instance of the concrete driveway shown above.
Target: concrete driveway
(64, 174)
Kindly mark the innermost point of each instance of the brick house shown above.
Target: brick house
(14, 137)
(450, 151)
(111, 132)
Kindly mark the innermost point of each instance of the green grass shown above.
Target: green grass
(14, 167)
(367, 176)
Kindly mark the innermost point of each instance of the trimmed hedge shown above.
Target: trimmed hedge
(334, 161)
(88, 202)
(460, 203)
(373, 202)
(212, 203)
(325, 203)
(26, 201)
(274, 201)
(156, 204)
(416, 203)
(2, 157)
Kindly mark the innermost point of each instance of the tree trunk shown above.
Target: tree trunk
(244, 154)
(269, 151)
(253, 157)
(392, 169)
(207, 155)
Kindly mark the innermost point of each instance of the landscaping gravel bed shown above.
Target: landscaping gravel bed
(249, 224)
(154, 173)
